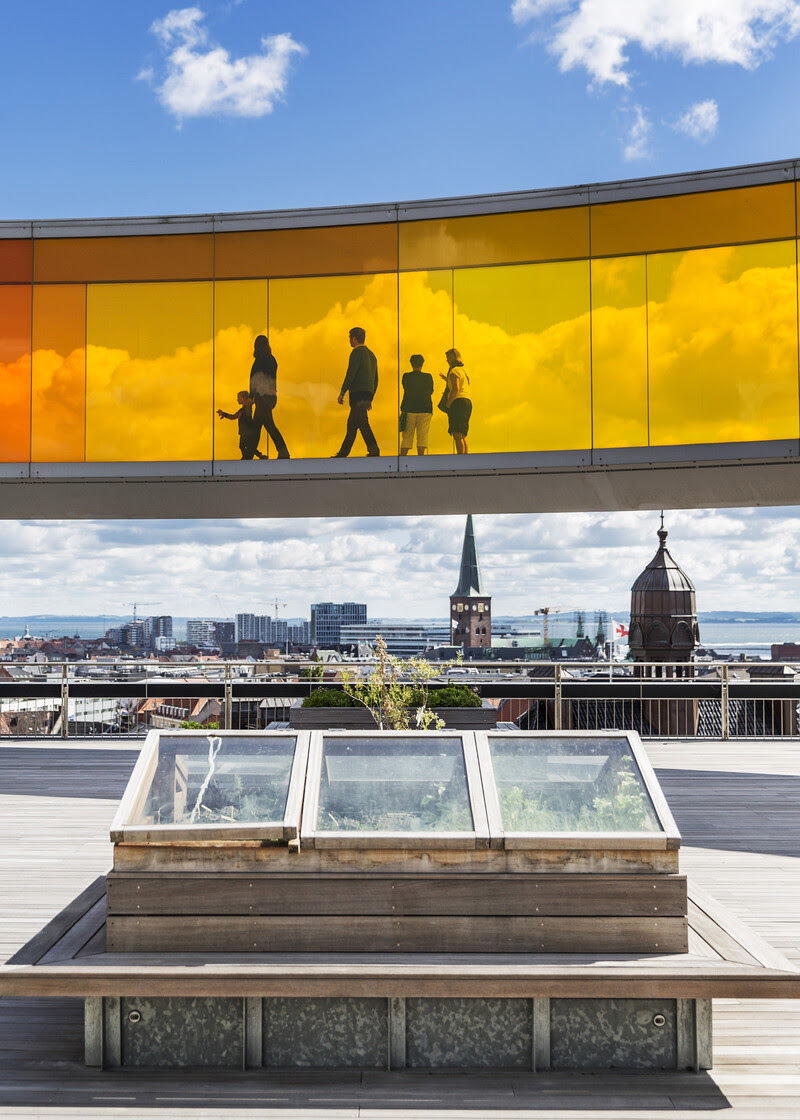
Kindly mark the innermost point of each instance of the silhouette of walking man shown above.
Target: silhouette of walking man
(360, 381)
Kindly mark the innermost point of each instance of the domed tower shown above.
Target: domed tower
(663, 612)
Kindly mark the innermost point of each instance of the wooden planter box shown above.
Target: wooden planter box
(325, 719)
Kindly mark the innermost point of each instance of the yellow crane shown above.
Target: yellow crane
(546, 612)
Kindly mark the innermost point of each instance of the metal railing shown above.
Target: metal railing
(125, 699)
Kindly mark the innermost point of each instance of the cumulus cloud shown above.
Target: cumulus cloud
(738, 559)
(700, 120)
(597, 35)
(201, 79)
(637, 139)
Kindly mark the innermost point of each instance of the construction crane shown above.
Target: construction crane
(139, 603)
(277, 607)
(547, 611)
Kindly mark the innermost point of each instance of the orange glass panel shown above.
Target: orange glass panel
(240, 313)
(532, 235)
(426, 327)
(15, 372)
(149, 372)
(722, 338)
(15, 261)
(59, 373)
(309, 323)
(619, 352)
(307, 252)
(523, 333)
(688, 220)
(70, 259)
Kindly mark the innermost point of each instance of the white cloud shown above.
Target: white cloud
(743, 559)
(201, 79)
(638, 136)
(597, 34)
(700, 120)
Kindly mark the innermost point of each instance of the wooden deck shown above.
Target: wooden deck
(737, 805)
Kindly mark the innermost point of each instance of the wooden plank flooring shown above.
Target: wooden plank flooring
(737, 805)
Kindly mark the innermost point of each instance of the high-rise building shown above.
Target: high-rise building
(160, 634)
(278, 634)
(201, 632)
(299, 633)
(253, 628)
(470, 606)
(327, 620)
(225, 633)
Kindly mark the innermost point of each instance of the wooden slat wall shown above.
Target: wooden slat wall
(451, 934)
(355, 895)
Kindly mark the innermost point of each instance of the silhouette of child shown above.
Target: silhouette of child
(248, 433)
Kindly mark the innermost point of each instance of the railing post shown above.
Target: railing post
(64, 700)
(725, 710)
(557, 698)
(227, 718)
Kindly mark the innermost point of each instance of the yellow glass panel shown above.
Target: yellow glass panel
(531, 235)
(149, 372)
(240, 313)
(722, 338)
(309, 323)
(307, 252)
(688, 220)
(619, 352)
(523, 333)
(15, 372)
(188, 256)
(59, 373)
(426, 327)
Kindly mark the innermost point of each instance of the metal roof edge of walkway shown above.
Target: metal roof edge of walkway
(546, 198)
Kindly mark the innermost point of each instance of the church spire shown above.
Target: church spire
(469, 579)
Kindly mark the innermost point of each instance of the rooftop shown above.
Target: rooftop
(736, 804)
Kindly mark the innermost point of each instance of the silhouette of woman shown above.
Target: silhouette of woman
(264, 391)
(459, 405)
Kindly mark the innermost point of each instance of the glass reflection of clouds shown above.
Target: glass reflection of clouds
(680, 329)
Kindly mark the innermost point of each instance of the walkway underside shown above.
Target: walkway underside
(692, 477)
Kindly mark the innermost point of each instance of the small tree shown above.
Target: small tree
(397, 690)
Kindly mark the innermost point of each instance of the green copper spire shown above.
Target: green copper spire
(469, 580)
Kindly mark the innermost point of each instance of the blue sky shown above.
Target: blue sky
(115, 109)
(121, 108)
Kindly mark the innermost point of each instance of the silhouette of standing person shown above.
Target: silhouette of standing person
(416, 407)
(264, 391)
(360, 381)
(459, 405)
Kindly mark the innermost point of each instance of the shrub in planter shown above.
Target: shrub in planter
(329, 698)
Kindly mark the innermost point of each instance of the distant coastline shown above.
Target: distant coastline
(730, 632)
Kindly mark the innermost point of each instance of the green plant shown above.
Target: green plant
(624, 808)
(193, 725)
(328, 698)
(312, 673)
(454, 696)
(396, 691)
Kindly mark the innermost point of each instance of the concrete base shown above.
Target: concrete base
(377, 1033)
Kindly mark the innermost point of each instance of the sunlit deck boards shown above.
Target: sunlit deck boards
(736, 805)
